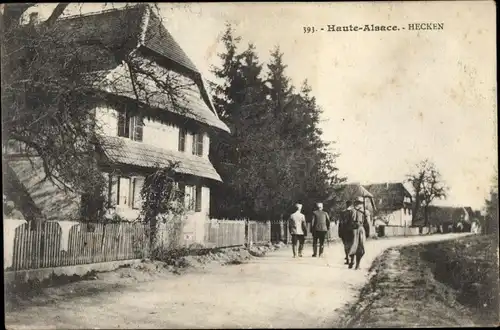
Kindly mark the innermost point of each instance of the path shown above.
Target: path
(275, 291)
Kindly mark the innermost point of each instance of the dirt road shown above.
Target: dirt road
(271, 292)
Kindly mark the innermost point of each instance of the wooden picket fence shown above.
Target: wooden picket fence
(224, 233)
(41, 245)
(44, 245)
(227, 233)
(258, 232)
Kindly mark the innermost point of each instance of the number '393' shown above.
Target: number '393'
(309, 29)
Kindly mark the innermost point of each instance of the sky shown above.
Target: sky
(389, 99)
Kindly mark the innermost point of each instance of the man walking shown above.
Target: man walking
(345, 232)
(320, 225)
(359, 235)
(298, 229)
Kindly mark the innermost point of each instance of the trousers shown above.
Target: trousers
(297, 239)
(318, 236)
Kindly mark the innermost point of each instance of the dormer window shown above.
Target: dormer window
(130, 126)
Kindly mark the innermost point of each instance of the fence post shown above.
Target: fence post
(269, 231)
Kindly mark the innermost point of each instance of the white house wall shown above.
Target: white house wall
(398, 218)
(155, 133)
(166, 136)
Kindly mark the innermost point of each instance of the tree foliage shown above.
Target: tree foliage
(428, 186)
(275, 156)
(52, 82)
(162, 200)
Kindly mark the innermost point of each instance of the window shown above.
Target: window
(198, 144)
(130, 126)
(193, 198)
(190, 197)
(182, 139)
(125, 191)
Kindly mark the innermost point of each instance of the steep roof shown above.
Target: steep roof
(351, 191)
(388, 196)
(127, 29)
(190, 104)
(126, 151)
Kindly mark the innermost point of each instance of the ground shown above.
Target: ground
(453, 283)
(270, 292)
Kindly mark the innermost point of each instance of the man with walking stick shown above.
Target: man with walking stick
(357, 224)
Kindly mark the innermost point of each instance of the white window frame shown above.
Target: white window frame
(131, 183)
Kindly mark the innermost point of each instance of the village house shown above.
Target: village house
(446, 218)
(393, 203)
(136, 138)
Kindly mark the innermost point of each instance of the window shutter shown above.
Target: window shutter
(114, 188)
(122, 124)
(182, 139)
(193, 144)
(198, 199)
(138, 128)
(199, 142)
(137, 186)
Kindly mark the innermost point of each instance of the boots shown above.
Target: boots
(358, 260)
(315, 250)
(351, 263)
(320, 250)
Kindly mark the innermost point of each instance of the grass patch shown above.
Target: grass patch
(444, 284)
(470, 266)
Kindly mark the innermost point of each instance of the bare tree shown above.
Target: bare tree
(428, 186)
(53, 79)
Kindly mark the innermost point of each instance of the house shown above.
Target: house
(135, 137)
(447, 218)
(393, 202)
(349, 192)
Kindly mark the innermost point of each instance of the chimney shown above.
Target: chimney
(34, 19)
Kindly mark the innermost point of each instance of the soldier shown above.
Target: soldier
(346, 233)
(320, 225)
(298, 229)
(359, 234)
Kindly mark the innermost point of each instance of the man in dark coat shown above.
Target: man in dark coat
(320, 226)
(357, 223)
(298, 229)
(345, 232)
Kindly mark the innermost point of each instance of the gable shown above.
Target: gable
(123, 30)
(389, 196)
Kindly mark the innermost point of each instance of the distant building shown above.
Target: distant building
(447, 218)
(393, 203)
